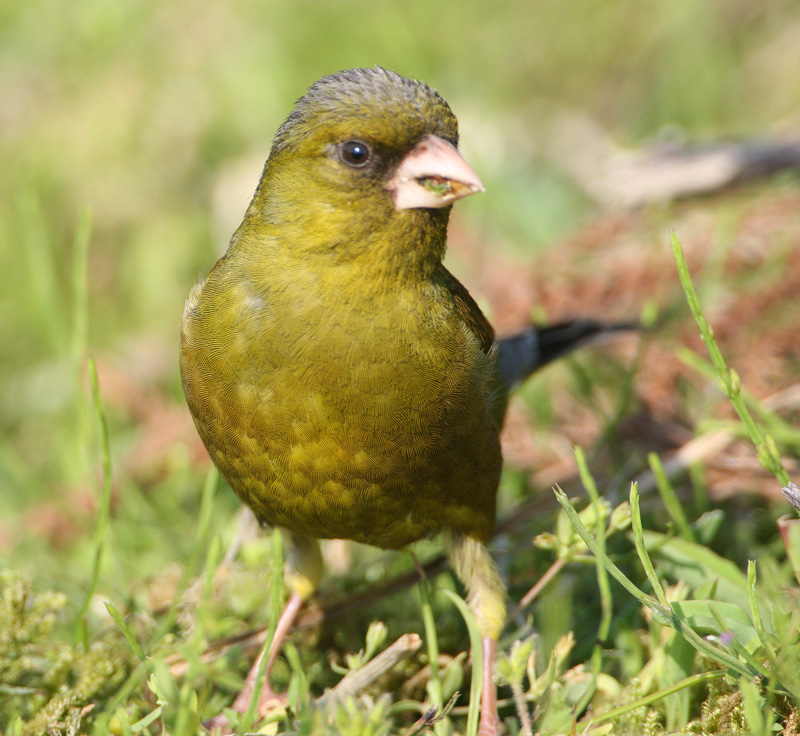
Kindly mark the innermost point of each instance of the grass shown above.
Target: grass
(132, 597)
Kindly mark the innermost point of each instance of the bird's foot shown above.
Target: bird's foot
(488, 725)
(269, 702)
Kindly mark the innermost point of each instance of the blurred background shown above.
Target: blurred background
(132, 135)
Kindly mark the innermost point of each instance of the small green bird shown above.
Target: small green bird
(344, 382)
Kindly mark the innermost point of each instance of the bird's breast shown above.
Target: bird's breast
(358, 415)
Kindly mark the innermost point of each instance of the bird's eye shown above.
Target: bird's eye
(355, 153)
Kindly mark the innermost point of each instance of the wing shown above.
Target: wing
(469, 311)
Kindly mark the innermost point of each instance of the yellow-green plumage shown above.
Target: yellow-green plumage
(333, 370)
(368, 420)
(341, 379)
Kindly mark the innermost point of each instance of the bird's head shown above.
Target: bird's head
(363, 151)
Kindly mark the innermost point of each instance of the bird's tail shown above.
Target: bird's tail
(523, 353)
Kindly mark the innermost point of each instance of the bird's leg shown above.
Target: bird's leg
(302, 574)
(488, 723)
(487, 598)
(268, 696)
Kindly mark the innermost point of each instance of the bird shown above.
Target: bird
(344, 382)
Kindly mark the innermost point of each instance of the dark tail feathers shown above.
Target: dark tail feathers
(525, 352)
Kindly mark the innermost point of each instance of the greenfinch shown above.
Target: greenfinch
(344, 382)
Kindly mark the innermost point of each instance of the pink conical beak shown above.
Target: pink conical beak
(432, 175)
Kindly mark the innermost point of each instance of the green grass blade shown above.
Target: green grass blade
(476, 685)
(663, 614)
(126, 632)
(104, 509)
(651, 698)
(766, 451)
(432, 644)
(606, 600)
(641, 549)
(670, 499)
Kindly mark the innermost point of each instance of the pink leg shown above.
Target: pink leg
(268, 696)
(285, 623)
(488, 722)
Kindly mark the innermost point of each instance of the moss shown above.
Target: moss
(50, 686)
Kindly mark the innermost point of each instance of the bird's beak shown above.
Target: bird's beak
(432, 175)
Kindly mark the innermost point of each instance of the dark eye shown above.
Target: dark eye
(355, 153)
